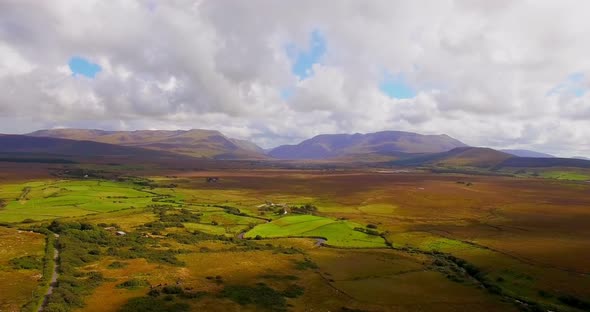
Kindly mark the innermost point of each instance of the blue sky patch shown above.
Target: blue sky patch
(287, 93)
(303, 60)
(396, 87)
(572, 85)
(81, 66)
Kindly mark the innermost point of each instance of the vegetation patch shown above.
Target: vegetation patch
(27, 263)
(305, 264)
(261, 295)
(67, 198)
(338, 233)
(117, 265)
(154, 304)
(133, 284)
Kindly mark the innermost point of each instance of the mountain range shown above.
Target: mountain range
(194, 143)
(387, 147)
(391, 143)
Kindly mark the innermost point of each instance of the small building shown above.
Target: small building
(212, 179)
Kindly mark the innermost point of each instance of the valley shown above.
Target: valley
(276, 239)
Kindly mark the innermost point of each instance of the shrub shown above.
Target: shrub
(117, 265)
(133, 283)
(260, 295)
(305, 264)
(172, 290)
(27, 263)
(293, 291)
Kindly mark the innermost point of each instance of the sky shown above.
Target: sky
(502, 74)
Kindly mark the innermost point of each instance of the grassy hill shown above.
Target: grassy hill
(459, 157)
(194, 143)
(20, 148)
(529, 162)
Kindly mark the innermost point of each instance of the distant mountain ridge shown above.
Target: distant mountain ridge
(194, 143)
(526, 153)
(327, 146)
(26, 146)
(461, 156)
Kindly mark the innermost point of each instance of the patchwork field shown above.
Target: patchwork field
(54, 199)
(289, 240)
(336, 233)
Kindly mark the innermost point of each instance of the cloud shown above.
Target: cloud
(493, 73)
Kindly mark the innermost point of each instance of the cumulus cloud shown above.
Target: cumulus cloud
(494, 73)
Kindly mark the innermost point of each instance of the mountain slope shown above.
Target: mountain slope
(458, 157)
(527, 162)
(526, 153)
(28, 147)
(194, 143)
(328, 146)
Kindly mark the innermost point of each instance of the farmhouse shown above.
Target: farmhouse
(212, 179)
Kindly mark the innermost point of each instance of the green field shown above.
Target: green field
(566, 175)
(65, 198)
(338, 233)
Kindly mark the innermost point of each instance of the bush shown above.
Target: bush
(117, 265)
(305, 209)
(293, 291)
(260, 295)
(172, 290)
(154, 292)
(133, 283)
(27, 263)
(305, 264)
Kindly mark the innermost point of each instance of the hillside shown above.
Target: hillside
(26, 148)
(328, 146)
(194, 143)
(527, 162)
(458, 157)
(526, 153)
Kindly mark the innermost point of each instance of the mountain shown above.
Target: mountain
(525, 162)
(23, 148)
(327, 146)
(457, 157)
(194, 143)
(581, 157)
(526, 153)
(248, 146)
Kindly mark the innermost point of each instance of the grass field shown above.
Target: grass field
(18, 283)
(566, 175)
(65, 198)
(337, 233)
(451, 240)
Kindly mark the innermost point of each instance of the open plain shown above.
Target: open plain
(350, 240)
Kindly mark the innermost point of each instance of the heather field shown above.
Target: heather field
(287, 240)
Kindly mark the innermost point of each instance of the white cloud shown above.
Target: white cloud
(482, 69)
